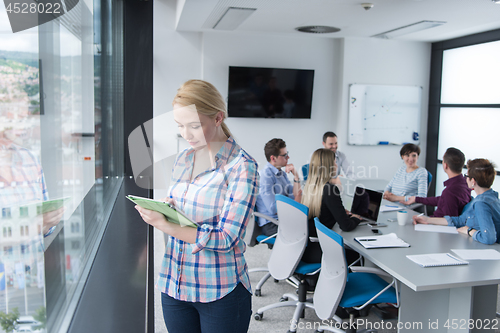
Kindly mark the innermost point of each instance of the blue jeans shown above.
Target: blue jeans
(230, 314)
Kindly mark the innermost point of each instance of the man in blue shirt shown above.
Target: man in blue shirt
(274, 180)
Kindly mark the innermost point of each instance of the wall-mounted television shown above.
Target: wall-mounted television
(270, 92)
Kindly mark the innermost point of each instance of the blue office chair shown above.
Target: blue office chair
(305, 171)
(429, 181)
(336, 287)
(257, 237)
(285, 258)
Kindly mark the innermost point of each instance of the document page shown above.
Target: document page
(436, 228)
(436, 259)
(488, 254)
(389, 240)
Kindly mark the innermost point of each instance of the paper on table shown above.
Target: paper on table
(390, 208)
(389, 240)
(488, 254)
(436, 228)
(436, 259)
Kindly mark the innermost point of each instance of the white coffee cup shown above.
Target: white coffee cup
(403, 217)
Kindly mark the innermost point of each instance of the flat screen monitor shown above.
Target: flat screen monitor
(270, 92)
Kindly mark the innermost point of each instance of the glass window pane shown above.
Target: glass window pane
(471, 75)
(473, 131)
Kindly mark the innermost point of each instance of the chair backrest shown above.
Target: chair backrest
(333, 276)
(251, 232)
(429, 179)
(305, 171)
(292, 237)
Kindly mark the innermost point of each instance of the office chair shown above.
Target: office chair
(305, 171)
(429, 180)
(256, 237)
(336, 287)
(285, 258)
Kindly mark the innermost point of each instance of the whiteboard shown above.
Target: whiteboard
(380, 115)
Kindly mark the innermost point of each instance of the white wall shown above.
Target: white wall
(302, 136)
(179, 56)
(389, 62)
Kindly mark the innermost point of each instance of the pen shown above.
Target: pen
(367, 240)
(420, 214)
(391, 206)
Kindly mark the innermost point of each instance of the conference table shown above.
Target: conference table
(435, 299)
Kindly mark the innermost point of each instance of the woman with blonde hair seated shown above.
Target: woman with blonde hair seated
(480, 218)
(322, 195)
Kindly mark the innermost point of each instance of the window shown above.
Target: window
(6, 213)
(61, 98)
(8, 251)
(468, 111)
(23, 211)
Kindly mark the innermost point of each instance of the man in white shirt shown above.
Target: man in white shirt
(330, 142)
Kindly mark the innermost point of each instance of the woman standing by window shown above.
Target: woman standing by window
(203, 278)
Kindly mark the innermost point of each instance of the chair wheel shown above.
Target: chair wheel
(258, 316)
(283, 299)
(258, 293)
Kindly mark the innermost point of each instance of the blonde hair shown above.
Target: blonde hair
(205, 97)
(322, 169)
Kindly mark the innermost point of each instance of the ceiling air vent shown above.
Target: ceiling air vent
(317, 29)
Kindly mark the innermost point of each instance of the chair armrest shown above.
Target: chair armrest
(314, 239)
(373, 270)
(268, 238)
(269, 218)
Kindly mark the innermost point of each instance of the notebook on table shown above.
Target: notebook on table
(436, 259)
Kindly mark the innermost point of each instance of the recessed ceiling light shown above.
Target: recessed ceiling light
(233, 17)
(317, 29)
(408, 29)
(496, 2)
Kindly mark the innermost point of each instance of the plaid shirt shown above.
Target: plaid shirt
(28, 184)
(221, 200)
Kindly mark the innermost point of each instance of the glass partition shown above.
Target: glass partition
(61, 91)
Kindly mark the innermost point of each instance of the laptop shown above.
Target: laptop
(366, 203)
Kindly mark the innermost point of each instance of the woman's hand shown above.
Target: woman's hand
(420, 219)
(465, 230)
(389, 196)
(151, 217)
(410, 201)
(52, 218)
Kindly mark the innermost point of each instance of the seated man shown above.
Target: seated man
(456, 193)
(330, 142)
(274, 181)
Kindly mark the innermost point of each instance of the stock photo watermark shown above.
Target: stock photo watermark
(27, 14)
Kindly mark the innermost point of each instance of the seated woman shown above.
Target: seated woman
(410, 179)
(322, 195)
(480, 218)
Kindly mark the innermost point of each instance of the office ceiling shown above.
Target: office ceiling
(462, 17)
